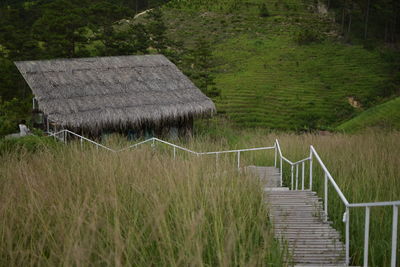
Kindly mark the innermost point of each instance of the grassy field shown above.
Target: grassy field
(386, 116)
(69, 206)
(269, 80)
(72, 207)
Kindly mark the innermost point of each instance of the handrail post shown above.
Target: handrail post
(302, 175)
(281, 171)
(366, 236)
(291, 177)
(174, 152)
(81, 142)
(347, 218)
(326, 197)
(216, 159)
(297, 176)
(311, 168)
(238, 160)
(276, 155)
(394, 234)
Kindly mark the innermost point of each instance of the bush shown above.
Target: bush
(307, 36)
(31, 143)
(264, 11)
(11, 113)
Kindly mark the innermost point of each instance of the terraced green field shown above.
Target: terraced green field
(386, 116)
(281, 85)
(267, 79)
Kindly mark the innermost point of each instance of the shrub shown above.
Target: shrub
(11, 112)
(264, 11)
(307, 36)
(31, 143)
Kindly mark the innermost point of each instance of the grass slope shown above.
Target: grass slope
(265, 77)
(386, 115)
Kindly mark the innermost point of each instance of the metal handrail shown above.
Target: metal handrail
(135, 145)
(325, 169)
(161, 141)
(237, 150)
(176, 146)
(346, 216)
(82, 138)
(375, 204)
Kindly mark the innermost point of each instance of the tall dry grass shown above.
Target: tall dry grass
(80, 207)
(86, 207)
(366, 167)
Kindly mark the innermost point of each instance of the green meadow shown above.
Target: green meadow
(267, 78)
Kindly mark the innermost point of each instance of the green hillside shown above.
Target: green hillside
(386, 116)
(268, 79)
(279, 64)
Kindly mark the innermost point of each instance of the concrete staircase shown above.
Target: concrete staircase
(299, 222)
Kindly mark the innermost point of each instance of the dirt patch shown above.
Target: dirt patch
(353, 102)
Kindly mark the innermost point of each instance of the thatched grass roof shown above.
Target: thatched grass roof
(121, 91)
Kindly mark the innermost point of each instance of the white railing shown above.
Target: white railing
(295, 169)
(346, 216)
(63, 136)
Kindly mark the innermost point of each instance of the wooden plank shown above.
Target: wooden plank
(298, 218)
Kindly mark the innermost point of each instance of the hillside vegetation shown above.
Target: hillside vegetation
(288, 70)
(385, 116)
(280, 64)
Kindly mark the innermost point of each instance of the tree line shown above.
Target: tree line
(372, 20)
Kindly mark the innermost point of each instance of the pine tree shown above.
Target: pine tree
(62, 28)
(202, 68)
(157, 30)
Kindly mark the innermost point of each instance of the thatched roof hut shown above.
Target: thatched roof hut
(106, 92)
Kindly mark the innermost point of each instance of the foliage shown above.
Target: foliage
(132, 40)
(201, 67)
(264, 11)
(368, 19)
(157, 30)
(384, 116)
(307, 36)
(62, 34)
(10, 81)
(11, 113)
(30, 143)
